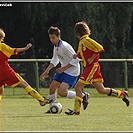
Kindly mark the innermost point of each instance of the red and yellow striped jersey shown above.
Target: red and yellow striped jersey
(87, 47)
(5, 53)
(7, 75)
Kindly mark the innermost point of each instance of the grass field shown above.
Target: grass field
(20, 112)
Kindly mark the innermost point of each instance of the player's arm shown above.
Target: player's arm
(90, 60)
(62, 69)
(46, 72)
(73, 62)
(24, 48)
(53, 63)
(77, 55)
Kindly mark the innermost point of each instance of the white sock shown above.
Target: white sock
(53, 96)
(72, 94)
(83, 94)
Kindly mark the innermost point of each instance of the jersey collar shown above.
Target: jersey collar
(86, 35)
(59, 43)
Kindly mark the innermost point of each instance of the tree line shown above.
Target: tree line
(111, 25)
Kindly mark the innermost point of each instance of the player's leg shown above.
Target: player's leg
(52, 92)
(32, 92)
(52, 89)
(71, 81)
(65, 91)
(68, 82)
(100, 88)
(14, 79)
(78, 99)
(112, 92)
(62, 91)
(56, 81)
(1, 92)
(62, 81)
(17, 80)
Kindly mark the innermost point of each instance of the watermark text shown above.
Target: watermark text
(5, 4)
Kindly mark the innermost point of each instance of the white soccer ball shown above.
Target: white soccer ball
(55, 108)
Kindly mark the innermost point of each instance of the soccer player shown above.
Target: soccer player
(66, 75)
(9, 77)
(89, 51)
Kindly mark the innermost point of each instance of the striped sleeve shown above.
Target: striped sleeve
(93, 45)
(7, 50)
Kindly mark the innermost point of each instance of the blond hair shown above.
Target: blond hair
(2, 33)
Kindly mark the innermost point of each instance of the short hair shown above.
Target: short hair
(2, 34)
(81, 28)
(54, 30)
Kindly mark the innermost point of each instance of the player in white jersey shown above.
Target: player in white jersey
(66, 76)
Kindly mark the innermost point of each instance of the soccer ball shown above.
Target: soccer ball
(55, 108)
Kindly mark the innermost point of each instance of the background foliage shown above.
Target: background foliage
(111, 25)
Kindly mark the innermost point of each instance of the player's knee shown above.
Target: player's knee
(59, 92)
(62, 93)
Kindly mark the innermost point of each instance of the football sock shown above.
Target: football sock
(71, 94)
(34, 93)
(111, 93)
(121, 94)
(77, 104)
(83, 94)
(118, 93)
(53, 96)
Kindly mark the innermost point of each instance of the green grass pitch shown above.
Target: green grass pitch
(20, 112)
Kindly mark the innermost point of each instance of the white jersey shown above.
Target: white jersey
(64, 54)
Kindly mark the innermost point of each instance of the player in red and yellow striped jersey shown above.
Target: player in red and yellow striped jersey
(89, 51)
(9, 77)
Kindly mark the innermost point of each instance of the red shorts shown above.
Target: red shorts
(91, 74)
(9, 77)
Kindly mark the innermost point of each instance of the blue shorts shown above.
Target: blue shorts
(63, 77)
